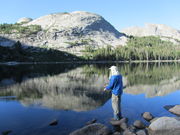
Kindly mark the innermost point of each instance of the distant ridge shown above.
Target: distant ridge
(161, 30)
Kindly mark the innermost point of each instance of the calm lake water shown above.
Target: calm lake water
(32, 96)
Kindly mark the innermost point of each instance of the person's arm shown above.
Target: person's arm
(111, 83)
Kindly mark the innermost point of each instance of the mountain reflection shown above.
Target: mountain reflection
(73, 90)
(81, 88)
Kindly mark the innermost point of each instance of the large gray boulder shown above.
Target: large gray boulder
(165, 123)
(93, 129)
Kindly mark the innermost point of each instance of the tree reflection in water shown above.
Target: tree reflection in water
(69, 87)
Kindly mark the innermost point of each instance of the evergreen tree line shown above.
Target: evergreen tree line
(137, 48)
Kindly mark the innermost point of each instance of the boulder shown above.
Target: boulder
(118, 122)
(165, 132)
(91, 121)
(117, 133)
(141, 132)
(132, 128)
(128, 132)
(167, 107)
(165, 123)
(147, 116)
(123, 126)
(139, 124)
(175, 110)
(93, 129)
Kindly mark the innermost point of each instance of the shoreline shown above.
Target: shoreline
(88, 62)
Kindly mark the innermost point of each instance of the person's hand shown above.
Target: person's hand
(105, 89)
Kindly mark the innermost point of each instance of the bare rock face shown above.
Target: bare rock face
(24, 20)
(73, 31)
(164, 31)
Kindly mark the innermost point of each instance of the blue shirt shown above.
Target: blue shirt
(115, 84)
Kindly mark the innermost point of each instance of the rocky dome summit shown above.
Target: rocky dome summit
(78, 19)
(77, 26)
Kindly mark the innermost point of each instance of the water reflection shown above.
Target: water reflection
(70, 88)
(73, 90)
(46, 92)
(151, 79)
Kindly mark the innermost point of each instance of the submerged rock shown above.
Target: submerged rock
(118, 122)
(6, 132)
(165, 123)
(53, 123)
(147, 116)
(93, 129)
(91, 122)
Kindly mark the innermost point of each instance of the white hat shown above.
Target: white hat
(114, 70)
(113, 67)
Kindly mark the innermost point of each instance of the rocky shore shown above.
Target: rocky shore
(156, 125)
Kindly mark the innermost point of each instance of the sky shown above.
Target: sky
(120, 13)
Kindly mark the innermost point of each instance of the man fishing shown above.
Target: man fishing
(116, 87)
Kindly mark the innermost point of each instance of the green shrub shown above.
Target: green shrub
(18, 28)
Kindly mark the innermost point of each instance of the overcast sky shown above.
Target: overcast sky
(120, 13)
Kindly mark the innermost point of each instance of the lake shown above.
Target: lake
(33, 95)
